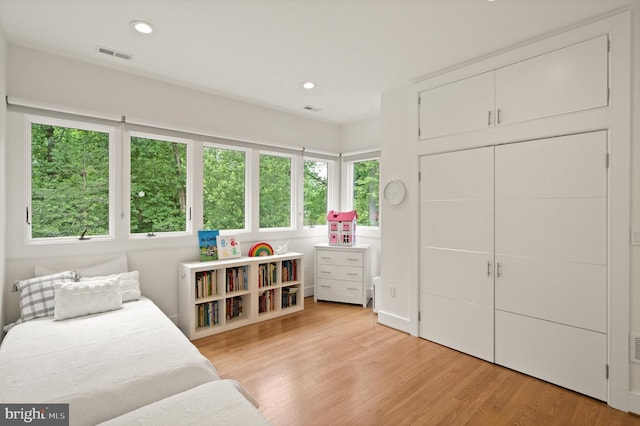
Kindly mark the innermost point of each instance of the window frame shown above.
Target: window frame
(88, 125)
(120, 135)
(126, 193)
(332, 190)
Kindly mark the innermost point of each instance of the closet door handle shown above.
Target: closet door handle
(499, 116)
(489, 118)
(488, 269)
(498, 270)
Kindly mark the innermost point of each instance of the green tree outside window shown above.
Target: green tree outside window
(69, 181)
(366, 184)
(224, 188)
(158, 186)
(315, 192)
(275, 191)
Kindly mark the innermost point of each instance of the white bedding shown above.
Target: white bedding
(223, 402)
(103, 365)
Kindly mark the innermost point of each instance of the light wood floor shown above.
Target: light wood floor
(332, 364)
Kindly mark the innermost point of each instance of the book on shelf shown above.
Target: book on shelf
(289, 270)
(207, 314)
(289, 297)
(207, 241)
(206, 285)
(233, 307)
(267, 274)
(266, 301)
(237, 279)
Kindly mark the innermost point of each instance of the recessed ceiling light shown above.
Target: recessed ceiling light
(308, 85)
(142, 27)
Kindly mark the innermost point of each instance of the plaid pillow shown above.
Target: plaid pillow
(37, 296)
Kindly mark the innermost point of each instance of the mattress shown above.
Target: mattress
(102, 365)
(223, 402)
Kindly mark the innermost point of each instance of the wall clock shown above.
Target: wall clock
(394, 192)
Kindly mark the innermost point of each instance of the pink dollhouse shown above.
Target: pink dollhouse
(342, 228)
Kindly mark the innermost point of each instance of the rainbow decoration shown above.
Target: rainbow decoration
(260, 249)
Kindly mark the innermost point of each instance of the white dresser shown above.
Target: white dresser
(343, 274)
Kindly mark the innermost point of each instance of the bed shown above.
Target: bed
(108, 364)
(231, 406)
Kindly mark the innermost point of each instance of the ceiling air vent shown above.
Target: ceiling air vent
(310, 108)
(114, 53)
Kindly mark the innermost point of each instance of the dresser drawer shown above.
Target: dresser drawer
(346, 273)
(336, 257)
(339, 291)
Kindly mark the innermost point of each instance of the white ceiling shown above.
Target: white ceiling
(262, 50)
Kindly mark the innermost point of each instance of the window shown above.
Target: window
(315, 192)
(69, 179)
(366, 183)
(158, 185)
(275, 191)
(74, 180)
(224, 197)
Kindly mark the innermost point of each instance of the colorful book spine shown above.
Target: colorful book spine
(205, 284)
(207, 314)
(289, 270)
(267, 274)
(233, 307)
(289, 297)
(267, 301)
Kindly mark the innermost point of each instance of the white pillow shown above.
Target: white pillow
(37, 295)
(114, 266)
(129, 284)
(85, 298)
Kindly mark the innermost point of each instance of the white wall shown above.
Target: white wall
(635, 199)
(361, 135)
(399, 236)
(51, 80)
(3, 143)
(400, 222)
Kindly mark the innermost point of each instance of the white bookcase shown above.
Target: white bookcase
(221, 295)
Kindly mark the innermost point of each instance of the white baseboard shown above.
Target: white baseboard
(309, 291)
(394, 321)
(634, 402)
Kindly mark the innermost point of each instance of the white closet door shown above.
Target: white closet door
(550, 245)
(457, 107)
(456, 250)
(571, 79)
